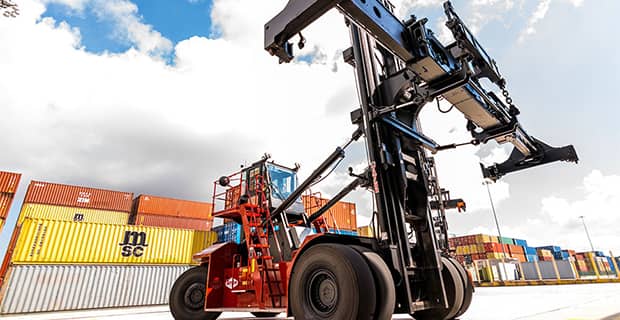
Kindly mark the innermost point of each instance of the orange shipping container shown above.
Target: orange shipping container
(141, 219)
(9, 182)
(76, 196)
(5, 204)
(153, 205)
(342, 215)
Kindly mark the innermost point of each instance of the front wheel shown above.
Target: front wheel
(332, 281)
(187, 297)
(454, 294)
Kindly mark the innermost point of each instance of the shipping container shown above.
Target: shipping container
(142, 219)
(6, 199)
(229, 232)
(38, 288)
(506, 240)
(9, 182)
(153, 205)
(60, 242)
(367, 231)
(344, 232)
(76, 196)
(49, 212)
(520, 242)
(341, 216)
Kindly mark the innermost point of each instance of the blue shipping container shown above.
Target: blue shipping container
(553, 249)
(229, 232)
(520, 242)
(611, 264)
(345, 232)
(530, 250)
(531, 257)
(599, 254)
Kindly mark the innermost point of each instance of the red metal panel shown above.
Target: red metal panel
(76, 196)
(5, 204)
(142, 219)
(9, 181)
(160, 206)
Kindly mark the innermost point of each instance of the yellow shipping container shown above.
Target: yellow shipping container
(61, 242)
(473, 248)
(482, 238)
(495, 255)
(47, 212)
(365, 231)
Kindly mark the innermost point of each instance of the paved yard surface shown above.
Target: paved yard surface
(567, 302)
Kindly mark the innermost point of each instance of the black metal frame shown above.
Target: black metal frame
(416, 69)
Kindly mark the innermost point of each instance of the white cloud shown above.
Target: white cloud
(537, 15)
(129, 25)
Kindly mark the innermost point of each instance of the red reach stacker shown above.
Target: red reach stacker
(286, 262)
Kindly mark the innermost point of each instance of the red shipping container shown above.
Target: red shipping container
(5, 204)
(172, 222)
(153, 205)
(77, 196)
(9, 182)
(491, 247)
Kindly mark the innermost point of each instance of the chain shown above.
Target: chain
(513, 109)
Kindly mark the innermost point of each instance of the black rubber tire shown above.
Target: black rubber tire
(468, 287)
(454, 293)
(265, 314)
(386, 292)
(185, 302)
(332, 281)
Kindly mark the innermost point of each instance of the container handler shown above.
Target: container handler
(400, 66)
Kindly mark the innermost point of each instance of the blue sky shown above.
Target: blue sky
(176, 20)
(182, 108)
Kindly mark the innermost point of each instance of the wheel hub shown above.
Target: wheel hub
(323, 292)
(194, 296)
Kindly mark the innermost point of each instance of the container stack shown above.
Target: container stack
(342, 217)
(481, 246)
(171, 213)
(77, 242)
(544, 254)
(8, 186)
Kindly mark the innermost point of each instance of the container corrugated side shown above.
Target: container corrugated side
(6, 199)
(77, 196)
(341, 216)
(37, 288)
(48, 212)
(61, 242)
(9, 181)
(229, 232)
(173, 207)
(142, 219)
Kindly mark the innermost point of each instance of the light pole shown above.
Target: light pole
(487, 183)
(583, 220)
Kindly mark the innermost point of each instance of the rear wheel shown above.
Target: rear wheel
(454, 294)
(332, 281)
(187, 297)
(265, 314)
(468, 287)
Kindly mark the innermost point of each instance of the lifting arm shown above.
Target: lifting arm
(452, 72)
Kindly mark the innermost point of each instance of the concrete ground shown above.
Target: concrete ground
(566, 302)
